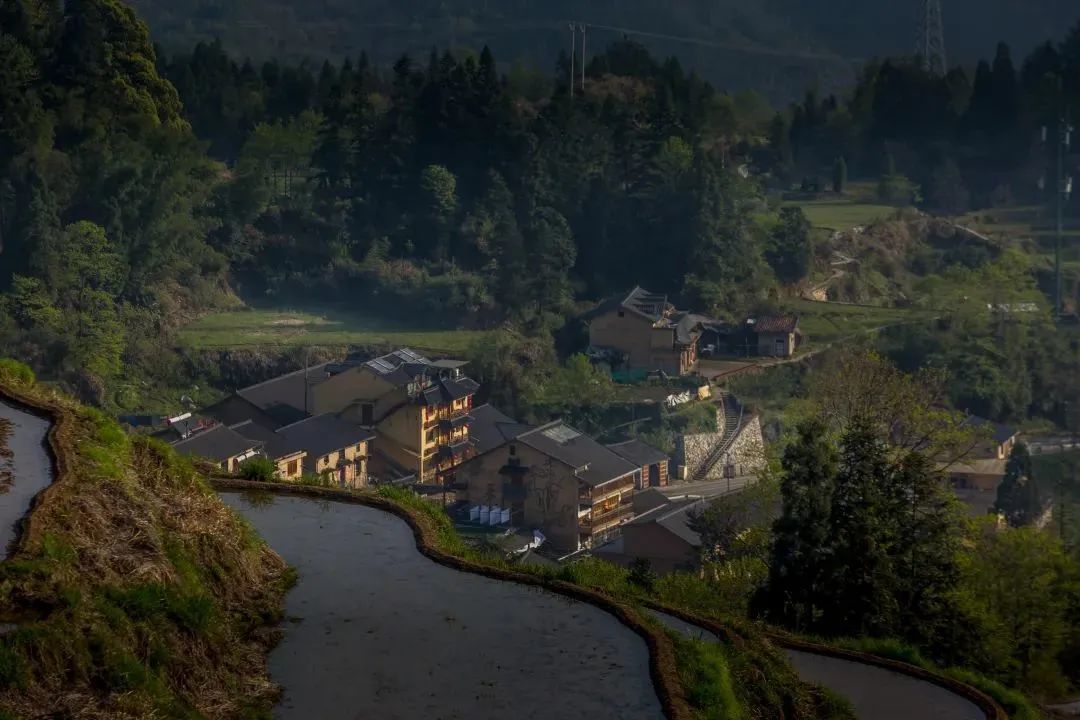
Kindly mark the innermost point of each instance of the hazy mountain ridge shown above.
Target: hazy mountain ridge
(824, 41)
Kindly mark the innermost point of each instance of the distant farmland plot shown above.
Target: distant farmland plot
(829, 322)
(254, 328)
(841, 213)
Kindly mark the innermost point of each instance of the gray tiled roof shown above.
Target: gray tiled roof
(321, 434)
(638, 452)
(595, 464)
(491, 428)
(404, 366)
(285, 398)
(675, 518)
(271, 441)
(217, 443)
(999, 431)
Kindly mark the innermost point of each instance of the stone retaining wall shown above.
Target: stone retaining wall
(747, 452)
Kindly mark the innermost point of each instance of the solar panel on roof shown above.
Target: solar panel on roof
(381, 365)
(409, 355)
(561, 433)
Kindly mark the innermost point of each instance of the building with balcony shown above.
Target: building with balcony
(557, 480)
(419, 409)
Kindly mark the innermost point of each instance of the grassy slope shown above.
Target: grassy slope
(842, 213)
(136, 591)
(327, 327)
(828, 322)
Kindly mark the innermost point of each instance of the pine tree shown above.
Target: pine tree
(1017, 495)
(924, 546)
(839, 175)
(793, 595)
(860, 597)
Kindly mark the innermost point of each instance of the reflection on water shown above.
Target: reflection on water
(380, 631)
(31, 468)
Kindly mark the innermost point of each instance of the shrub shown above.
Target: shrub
(642, 575)
(260, 469)
(15, 372)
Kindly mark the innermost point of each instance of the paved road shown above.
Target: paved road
(876, 693)
(1070, 709)
(707, 488)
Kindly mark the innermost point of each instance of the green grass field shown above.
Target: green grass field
(828, 322)
(254, 328)
(841, 213)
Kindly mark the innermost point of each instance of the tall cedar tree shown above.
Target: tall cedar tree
(794, 595)
(861, 589)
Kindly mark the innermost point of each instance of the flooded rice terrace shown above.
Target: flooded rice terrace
(376, 629)
(25, 467)
(874, 692)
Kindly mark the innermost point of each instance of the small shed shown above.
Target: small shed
(777, 335)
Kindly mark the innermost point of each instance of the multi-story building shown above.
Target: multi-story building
(555, 479)
(418, 408)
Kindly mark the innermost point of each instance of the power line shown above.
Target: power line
(735, 47)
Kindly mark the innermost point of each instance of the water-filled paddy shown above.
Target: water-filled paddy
(29, 466)
(378, 630)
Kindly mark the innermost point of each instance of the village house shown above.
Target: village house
(777, 335)
(332, 447)
(555, 479)
(652, 463)
(661, 532)
(644, 331)
(663, 535)
(220, 444)
(323, 445)
(984, 467)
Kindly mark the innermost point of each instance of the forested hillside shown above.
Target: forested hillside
(140, 189)
(778, 47)
(104, 193)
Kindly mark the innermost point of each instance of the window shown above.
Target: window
(326, 460)
(294, 466)
(622, 313)
(367, 414)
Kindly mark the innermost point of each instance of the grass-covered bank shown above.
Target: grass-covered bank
(744, 676)
(137, 593)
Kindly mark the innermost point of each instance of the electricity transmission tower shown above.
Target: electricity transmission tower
(930, 46)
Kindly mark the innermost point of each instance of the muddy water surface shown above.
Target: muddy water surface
(380, 631)
(30, 467)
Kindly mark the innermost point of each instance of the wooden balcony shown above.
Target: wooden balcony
(598, 521)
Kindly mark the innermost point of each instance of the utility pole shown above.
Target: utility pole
(1062, 186)
(583, 59)
(573, 51)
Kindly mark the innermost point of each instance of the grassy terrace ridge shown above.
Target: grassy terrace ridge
(136, 592)
(744, 676)
(323, 326)
(826, 322)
